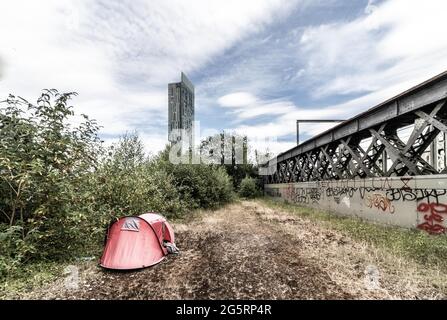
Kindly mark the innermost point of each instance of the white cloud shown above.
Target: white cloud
(265, 108)
(120, 55)
(285, 124)
(398, 41)
(370, 7)
(394, 46)
(1, 68)
(246, 106)
(237, 99)
(154, 142)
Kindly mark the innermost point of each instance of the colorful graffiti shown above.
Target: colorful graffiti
(379, 201)
(433, 217)
(400, 197)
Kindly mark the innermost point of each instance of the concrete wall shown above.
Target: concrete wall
(411, 202)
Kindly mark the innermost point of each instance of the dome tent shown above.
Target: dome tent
(137, 242)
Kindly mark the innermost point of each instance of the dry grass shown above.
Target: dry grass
(329, 242)
(258, 250)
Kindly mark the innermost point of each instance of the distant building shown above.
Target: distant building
(181, 108)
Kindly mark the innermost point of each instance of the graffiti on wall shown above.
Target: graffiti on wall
(272, 192)
(392, 194)
(301, 195)
(381, 194)
(379, 201)
(405, 182)
(433, 219)
(418, 194)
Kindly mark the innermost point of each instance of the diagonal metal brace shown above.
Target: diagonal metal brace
(397, 154)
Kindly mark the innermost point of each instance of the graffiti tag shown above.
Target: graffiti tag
(433, 217)
(379, 201)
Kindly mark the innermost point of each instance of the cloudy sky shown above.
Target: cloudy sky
(257, 65)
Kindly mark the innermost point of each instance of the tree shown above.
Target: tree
(42, 162)
(249, 188)
(230, 151)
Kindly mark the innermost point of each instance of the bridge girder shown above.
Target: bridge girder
(365, 146)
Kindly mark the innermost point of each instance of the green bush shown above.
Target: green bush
(43, 161)
(60, 187)
(223, 150)
(249, 188)
(128, 183)
(199, 185)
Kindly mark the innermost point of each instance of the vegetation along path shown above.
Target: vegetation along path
(258, 249)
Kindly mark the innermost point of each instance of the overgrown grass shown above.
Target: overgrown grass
(30, 277)
(414, 244)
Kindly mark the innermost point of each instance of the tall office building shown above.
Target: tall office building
(181, 108)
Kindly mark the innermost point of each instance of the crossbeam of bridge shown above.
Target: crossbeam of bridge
(370, 144)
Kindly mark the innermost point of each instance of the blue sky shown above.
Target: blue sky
(257, 65)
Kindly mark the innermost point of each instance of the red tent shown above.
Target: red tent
(137, 242)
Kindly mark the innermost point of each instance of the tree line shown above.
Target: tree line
(60, 186)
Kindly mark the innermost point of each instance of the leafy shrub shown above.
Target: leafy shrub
(42, 162)
(60, 187)
(249, 188)
(128, 183)
(230, 151)
(199, 185)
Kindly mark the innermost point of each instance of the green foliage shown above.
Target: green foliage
(42, 162)
(29, 276)
(128, 183)
(249, 188)
(230, 151)
(199, 186)
(60, 187)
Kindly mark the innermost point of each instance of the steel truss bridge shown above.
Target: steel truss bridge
(373, 143)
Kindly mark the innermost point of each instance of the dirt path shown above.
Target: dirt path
(249, 251)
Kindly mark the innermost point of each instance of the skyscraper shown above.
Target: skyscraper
(181, 108)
